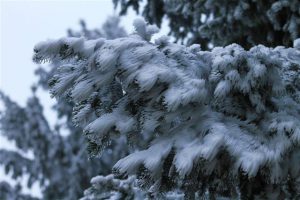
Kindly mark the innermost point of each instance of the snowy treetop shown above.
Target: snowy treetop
(196, 109)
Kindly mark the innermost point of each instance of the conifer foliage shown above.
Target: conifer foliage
(223, 123)
(223, 22)
(109, 187)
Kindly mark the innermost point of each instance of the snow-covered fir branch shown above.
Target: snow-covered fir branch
(225, 121)
(110, 187)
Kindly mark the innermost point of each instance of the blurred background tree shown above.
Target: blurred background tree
(60, 162)
(223, 22)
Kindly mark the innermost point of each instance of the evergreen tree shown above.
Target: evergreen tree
(223, 22)
(222, 123)
(60, 164)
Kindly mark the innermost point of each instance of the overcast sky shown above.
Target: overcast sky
(23, 24)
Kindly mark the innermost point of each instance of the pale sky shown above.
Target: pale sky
(23, 24)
